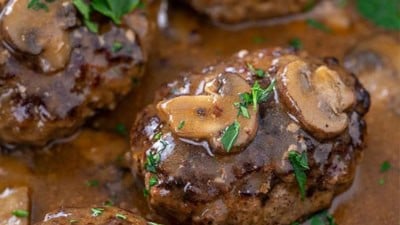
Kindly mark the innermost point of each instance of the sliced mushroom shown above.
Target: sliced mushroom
(13, 200)
(38, 33)
(318, 99)
(206, 116)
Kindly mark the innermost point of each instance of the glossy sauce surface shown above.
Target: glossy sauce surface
(62, 174)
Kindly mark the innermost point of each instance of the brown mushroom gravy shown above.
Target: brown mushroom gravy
(90, 168)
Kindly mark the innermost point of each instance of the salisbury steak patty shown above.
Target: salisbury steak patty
(234, 11)
(211, 153)
(55, 73)
(92, 216)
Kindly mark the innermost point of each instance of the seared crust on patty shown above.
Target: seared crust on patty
(46, 92)
(235, 11)
(256, 184)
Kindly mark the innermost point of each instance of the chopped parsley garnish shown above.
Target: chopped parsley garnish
(120, 216)
(258, 39)
(108, 203)
(258, 72)
(318, 25)
(20, 213)
(243, 111)
(153, 181)
(323, 218)
(121, 129)
(152, 161)
(73, 221)
(296, 43)
(310, 5)
(146, 192)
(92, 183)
(157, 136)
(112, 9)
(258, 94)
(299, 163)
(135, 81)
(254, 98)
(97, 211)
(152, 223)
(230, 136)
(86, 11)
(385, 166)
(181, 125)
(39, 5)
(383, 13)
(116, 47)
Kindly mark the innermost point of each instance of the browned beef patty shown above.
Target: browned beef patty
(55, 73)
(234, 11)
(316, 108)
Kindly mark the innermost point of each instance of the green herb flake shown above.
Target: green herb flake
(116, 47)
(310, 5)
(108, 203)
(157, 136)
(258, 72)
(296, 43)
(135, 81)
(152, 161)
(230, 136)
(97, 211)
(121, 129)
(385, 166)
(243, 111)
(114, 9)
(92, 183)
(181, 125)
(258, 39)
(299, 163)
(153, 181)
(323, 218)
(381, 181)
(318, 25)
(153, 223)
(86, 10)
(120, 216)
(20, 213)
(383, 13)
(73, 221)
(146, 193)
(259, 94)
(38, 5)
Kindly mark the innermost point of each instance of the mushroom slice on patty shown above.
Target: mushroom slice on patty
(318, 99)
(206, 116)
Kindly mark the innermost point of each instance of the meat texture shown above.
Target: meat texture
(55, 73)
(92, 216)
(315, 108)
(234, 11)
